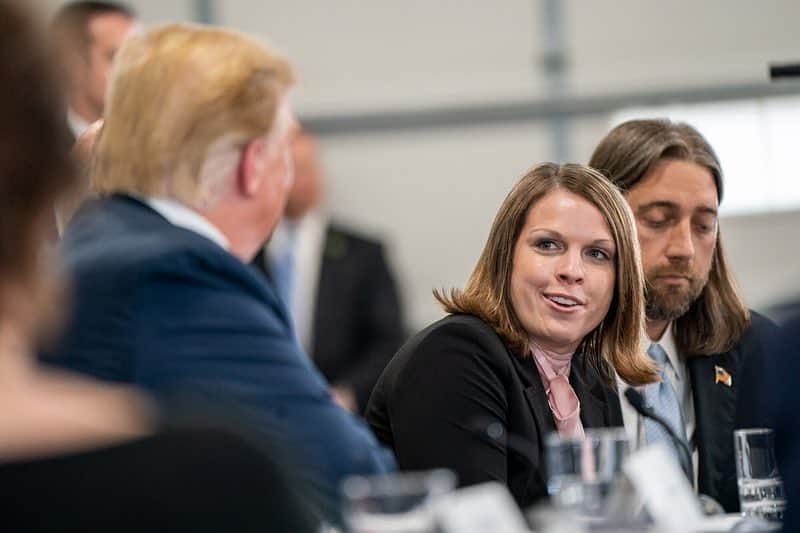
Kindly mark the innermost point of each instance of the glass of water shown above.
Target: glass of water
(760, 485)
(583, 473)
(395, 503)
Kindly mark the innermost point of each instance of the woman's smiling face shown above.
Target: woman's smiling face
(563, 275)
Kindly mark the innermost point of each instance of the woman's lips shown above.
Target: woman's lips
(563, 303)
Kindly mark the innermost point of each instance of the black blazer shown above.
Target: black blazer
(719, 409)
(358, 320)
(437, 396)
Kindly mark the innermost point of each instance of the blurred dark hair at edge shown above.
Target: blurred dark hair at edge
(35, 166)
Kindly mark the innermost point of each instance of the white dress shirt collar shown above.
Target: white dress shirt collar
(185, 217)
(76, 123)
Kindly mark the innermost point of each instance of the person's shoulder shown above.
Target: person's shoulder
(759, 334)
(760, 323)
(786, 341)
(120, 230)
(461, 325)
(119, 245)
(458, 352)
(120, 234)
(457, 337)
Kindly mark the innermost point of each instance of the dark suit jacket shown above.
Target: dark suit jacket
(780, 387)
(358, 321)
(163, 307)
(438, 395)
(177, 480)
(720, 409)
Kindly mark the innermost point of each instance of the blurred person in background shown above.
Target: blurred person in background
(192, 169)
(554, 306)
(696, 319)
(86, 37)
(82, 152)
(337, 284)
(76, 454)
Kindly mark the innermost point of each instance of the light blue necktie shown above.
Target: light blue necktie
(661, 397)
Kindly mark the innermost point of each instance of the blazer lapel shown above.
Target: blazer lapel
(714, 407)
(592, 413)
(535, 395)
(714, 401)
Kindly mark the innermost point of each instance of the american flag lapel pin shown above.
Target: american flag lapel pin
(721, 376)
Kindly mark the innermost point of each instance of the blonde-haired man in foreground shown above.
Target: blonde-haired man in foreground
(193, 171)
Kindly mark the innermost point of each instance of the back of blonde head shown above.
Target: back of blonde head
(181, 95)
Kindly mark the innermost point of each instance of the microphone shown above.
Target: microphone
(636, 400)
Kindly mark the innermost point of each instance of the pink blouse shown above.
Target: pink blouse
(564, 404)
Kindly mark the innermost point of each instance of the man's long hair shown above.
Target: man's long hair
(718, 318)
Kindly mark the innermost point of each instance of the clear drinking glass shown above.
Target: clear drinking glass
(760, 485)
(394, 503)
(583, 473)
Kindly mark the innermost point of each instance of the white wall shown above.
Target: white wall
(764, 254)
(652, 43)
(356, 54)
(432, 194)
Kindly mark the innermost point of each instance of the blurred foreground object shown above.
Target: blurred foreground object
(761, 491)
(78, 455)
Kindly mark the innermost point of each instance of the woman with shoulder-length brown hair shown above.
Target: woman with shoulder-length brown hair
(552, 309)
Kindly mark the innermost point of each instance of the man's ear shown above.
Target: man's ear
(251, 167)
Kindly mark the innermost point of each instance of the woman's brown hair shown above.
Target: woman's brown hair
(614, 343)
(718, 318)
(35, 165)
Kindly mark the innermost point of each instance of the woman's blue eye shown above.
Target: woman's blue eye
(547, 245)
(599, 254)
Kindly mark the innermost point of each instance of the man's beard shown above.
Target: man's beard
(671, 302)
